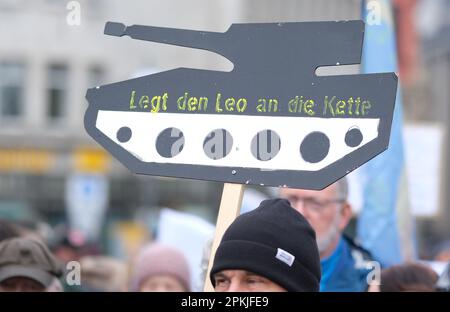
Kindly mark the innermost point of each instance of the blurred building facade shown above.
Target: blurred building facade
(46, 66)
(428, 97)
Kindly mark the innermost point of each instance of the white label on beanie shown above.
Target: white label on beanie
(284, 256)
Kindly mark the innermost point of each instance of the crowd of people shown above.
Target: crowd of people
(292, 243)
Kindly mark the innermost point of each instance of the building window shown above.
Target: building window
(56, 91)
(96, 76)
(12, 80)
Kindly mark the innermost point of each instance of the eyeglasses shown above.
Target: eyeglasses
(312, 204)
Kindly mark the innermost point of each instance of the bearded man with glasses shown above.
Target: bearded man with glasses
(344, 263)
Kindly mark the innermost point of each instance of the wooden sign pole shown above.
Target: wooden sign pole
(230, 206)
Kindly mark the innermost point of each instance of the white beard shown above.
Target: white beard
(324, 241)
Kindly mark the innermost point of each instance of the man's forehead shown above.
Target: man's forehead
(330, 191)
(230, 273)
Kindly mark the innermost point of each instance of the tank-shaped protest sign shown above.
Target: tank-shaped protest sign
(270, 121)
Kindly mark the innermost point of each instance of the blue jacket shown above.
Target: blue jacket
(346, 269)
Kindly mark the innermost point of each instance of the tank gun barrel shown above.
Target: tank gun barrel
(205, 40)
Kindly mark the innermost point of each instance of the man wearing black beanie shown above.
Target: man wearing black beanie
(272, 248)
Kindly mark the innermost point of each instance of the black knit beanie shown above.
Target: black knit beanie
(274, 241)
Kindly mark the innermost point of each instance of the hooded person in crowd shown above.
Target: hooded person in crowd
(271, 248)
(344, 263)
(27, 265)
(160, 268)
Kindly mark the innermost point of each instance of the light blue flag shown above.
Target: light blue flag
(384, 224)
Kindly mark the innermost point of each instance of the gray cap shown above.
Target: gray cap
(24, 257)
